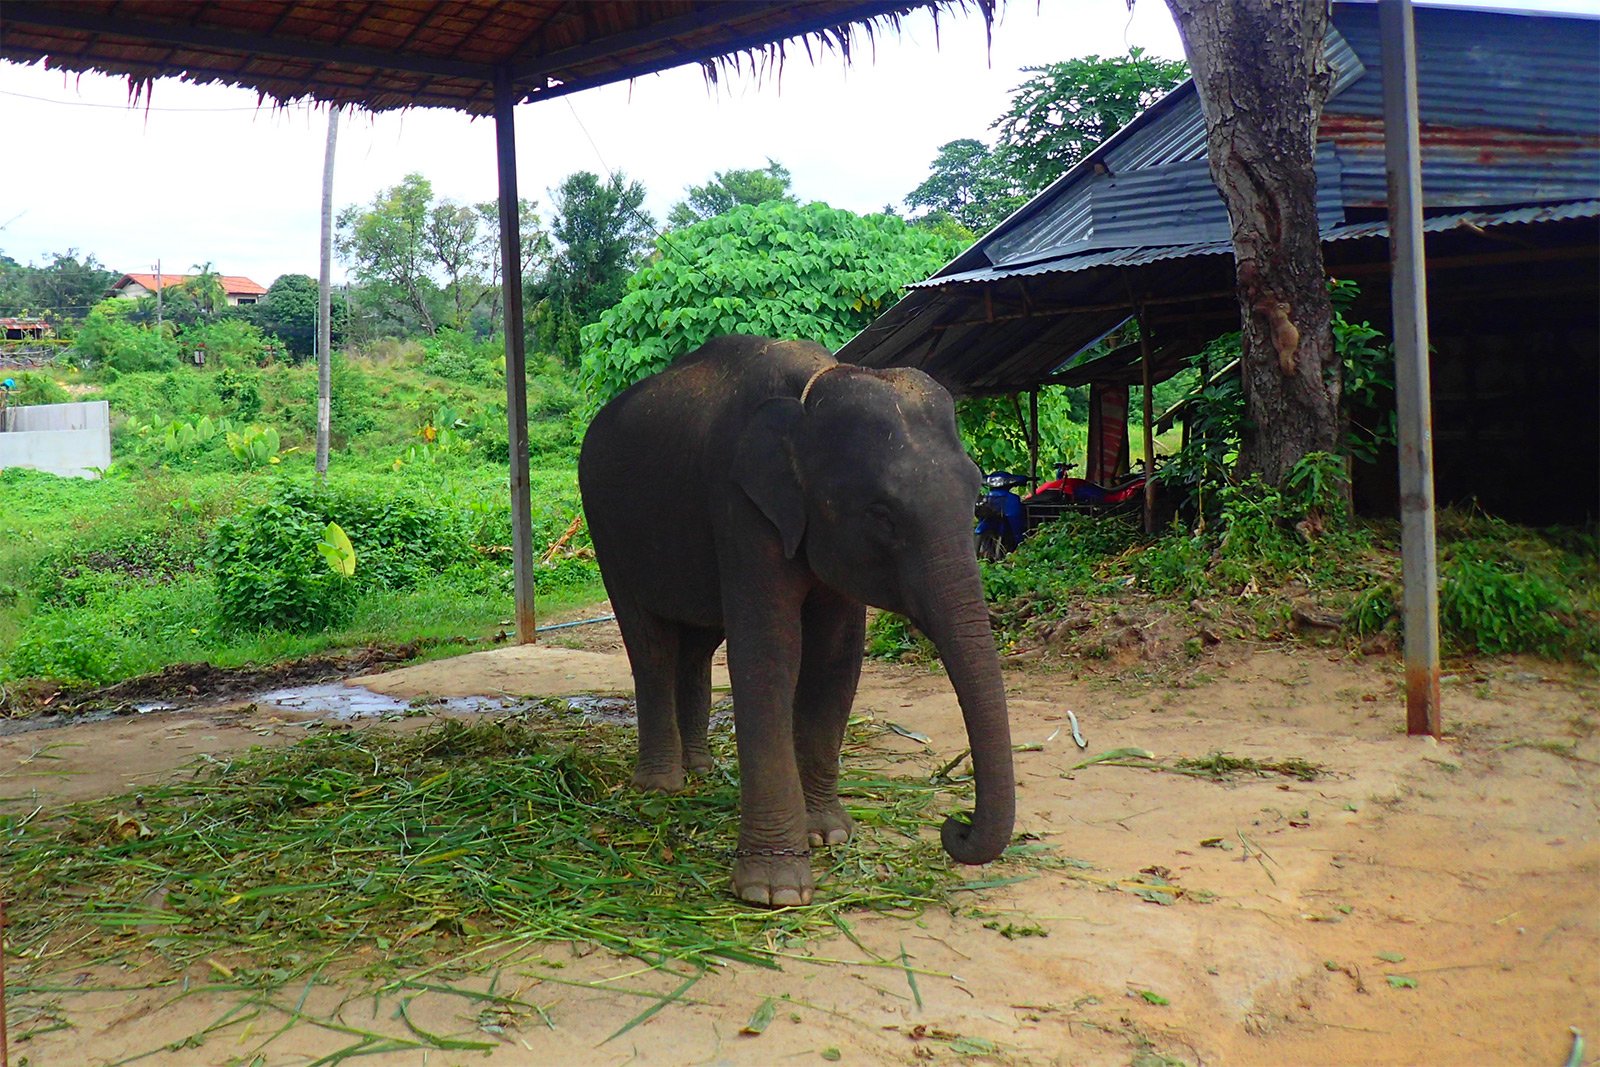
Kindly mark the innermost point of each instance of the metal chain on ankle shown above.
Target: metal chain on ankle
(746, 853)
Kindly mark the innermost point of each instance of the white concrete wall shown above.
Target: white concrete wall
(65, 439)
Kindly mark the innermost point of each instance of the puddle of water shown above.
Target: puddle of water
(344, 702)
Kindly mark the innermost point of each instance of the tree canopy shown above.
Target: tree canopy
(64, 285)
(601, 232)
(425, 263)
(729, 189)
(774, 268)
(1056, 117)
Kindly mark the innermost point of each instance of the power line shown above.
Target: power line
(137, 107)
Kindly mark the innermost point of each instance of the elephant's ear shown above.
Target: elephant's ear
(763, 466)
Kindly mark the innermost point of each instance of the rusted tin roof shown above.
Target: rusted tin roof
(1510, 109)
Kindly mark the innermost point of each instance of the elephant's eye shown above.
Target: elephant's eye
(882, 517)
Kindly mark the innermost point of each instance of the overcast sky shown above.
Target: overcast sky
(205, 175)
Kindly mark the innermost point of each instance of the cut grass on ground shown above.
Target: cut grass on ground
(278, 860)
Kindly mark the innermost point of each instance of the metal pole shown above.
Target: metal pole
(158, 296)
(1419, 565)
(505, 143)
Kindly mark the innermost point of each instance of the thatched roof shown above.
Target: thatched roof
(388, 54)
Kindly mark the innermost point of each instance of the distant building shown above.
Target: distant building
(26, 328)
(240, 290)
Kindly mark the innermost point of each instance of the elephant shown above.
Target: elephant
(760, 491)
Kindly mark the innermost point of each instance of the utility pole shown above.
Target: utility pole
(158, 295)
(324, 302)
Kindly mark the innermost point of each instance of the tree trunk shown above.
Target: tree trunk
(1263, 79)
(325, 302)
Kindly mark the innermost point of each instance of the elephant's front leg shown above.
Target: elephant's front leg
(830, 669)
(772, 864)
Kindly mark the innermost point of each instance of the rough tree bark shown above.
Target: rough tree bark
(1263, 79)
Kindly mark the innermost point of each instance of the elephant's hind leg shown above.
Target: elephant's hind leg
(830, 669)
(695, 648)
(653, 644)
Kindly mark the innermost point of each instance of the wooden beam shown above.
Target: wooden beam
(505, 142)
(23, 13)
(1409, 287)
(658, 32)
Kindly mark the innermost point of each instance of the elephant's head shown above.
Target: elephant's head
(867, 480)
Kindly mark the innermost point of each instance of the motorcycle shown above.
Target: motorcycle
(1002, 520)
(1082, 492)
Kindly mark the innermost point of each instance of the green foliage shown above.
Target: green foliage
(240, 392)
(1059, 561)
(1503, 588)
(107, 339)
(454, 355)
(35, 388)
(995, 431)
(810, 272)
(1367, 385)
(601, 231)
(729, 189)
(62, 287)
(892, 637)
(968, 186)
(1056, 117)
(254, 446)
(228, 342)
(1063, 111)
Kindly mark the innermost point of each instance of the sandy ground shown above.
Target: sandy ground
(1477, 860)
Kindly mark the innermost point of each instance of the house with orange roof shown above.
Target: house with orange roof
(240, 290)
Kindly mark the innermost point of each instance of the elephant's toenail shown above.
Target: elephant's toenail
(787, 898)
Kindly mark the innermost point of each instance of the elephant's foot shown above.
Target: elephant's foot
(828, 824)
(782, 881)
(697, 759)
(651, 779)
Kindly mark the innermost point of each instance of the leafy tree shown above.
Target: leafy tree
(289, 311)
(774, 268)
(196, 299)
(1066, 110)
(1056, 117)
(601, 232)
(535, 253)
(966, 185)
(64, 285)
(729, 189)
(387, 244)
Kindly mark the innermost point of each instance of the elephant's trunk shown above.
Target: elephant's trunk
(956, 618)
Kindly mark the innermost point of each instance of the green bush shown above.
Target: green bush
(455, 355)
(35, 388)
(107, 340)
(1492, 610)
(269, 574)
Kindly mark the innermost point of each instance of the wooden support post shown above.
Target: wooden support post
(1033, 437)
(1149, 426)
(1419, 564)
(505, 143)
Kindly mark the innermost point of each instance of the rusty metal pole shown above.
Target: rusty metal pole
(1409, 281)
(505, 143)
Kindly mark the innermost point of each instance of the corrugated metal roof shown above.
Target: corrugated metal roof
(1519, 150)
(1138, 257)
(1475, 68)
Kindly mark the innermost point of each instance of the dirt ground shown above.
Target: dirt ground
(1469, 867)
